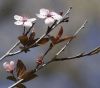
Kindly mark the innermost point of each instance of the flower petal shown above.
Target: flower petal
(44, 11)
(27, 24)
(17, 17)
(56, 16)
(18, 23)
(49, 20)
(41, 16)
(31, 19)
(12, 63)
(6, 65)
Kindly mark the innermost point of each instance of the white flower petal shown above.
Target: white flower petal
(49, 20)
(4, 64)
(56, 16)
(31, 19)
(12, 63)
(17, 17)
(18, 23)
(41, 16)
(44, 11)
(27, 24)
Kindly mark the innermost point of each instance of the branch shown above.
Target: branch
(11, 49)
(53, 59)
(93, 52)
(17, 52)
(8, 53)
(63, 48)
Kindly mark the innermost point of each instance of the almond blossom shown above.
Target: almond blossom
(9, 66)
(49, 16)
(27, 22)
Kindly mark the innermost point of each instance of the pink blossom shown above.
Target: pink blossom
(9, 67)
(27, 22)
(49, 16)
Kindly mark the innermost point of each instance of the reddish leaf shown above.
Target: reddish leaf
(23, 39)
(64, 39)
(27, 76)
(43, 41)
(59, 34)
(30, 42)
(12, 78)
(32, 35)
(20, 69)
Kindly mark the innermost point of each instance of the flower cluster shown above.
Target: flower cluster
(49, 16)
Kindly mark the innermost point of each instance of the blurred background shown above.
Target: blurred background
(77, 73)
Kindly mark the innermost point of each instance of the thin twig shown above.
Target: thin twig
(63, 48)
(93, 52)
(11, 49)
(16, 83)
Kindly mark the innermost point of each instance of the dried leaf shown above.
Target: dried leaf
(20, 86)
(20, 68)
(43, 41)
(27, 76)
(23, 39)
(11, 78)
(59, 34)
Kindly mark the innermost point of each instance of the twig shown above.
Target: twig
(83, 25)
(16, 83)
(11, 49)
(93, 52)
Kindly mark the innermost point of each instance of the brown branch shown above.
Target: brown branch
(93, 52)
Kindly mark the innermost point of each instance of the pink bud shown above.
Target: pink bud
(40, 61)
(9, 67)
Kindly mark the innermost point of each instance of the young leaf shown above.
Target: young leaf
(12, 78)
(59, 34)
(20, 86)
(66, 38)
(32, 35)
(23, 39)
(43, 41)
(27, 76)
(20, 68)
